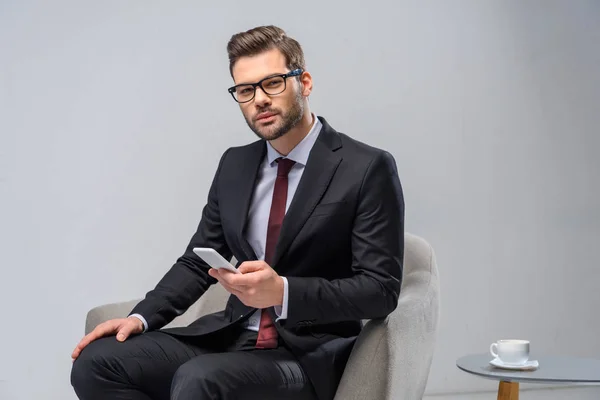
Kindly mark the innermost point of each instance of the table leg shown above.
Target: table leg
(508, 391)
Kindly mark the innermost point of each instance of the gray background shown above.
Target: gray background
(113, 116)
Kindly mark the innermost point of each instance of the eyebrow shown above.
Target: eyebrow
(266, 77)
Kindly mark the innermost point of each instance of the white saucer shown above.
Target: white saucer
(530, 365)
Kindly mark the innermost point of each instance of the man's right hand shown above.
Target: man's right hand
(122, 327)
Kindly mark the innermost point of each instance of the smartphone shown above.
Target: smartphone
(214, 259)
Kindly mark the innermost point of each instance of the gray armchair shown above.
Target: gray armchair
(391, 358)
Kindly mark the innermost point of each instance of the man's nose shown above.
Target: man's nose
(261, 99)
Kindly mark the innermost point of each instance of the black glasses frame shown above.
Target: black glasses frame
(292, 73)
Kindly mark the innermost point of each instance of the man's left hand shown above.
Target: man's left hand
(258, 285)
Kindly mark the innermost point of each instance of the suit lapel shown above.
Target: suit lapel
(245, 183)
(320, 167)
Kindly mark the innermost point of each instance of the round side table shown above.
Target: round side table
(552, 369)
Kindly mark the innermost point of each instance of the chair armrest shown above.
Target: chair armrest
(392, 357)
(103, 313)
(412, 347)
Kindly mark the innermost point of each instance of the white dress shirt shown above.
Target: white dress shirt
(260, 208)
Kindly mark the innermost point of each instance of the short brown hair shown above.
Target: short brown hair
(264, 38)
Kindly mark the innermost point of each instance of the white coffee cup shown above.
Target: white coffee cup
(511, 351)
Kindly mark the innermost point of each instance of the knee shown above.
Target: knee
(82, 379)
(88, 369)
(192, 381)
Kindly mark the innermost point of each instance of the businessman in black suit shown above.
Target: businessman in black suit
(316, 220)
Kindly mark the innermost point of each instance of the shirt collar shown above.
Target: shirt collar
(300, 153)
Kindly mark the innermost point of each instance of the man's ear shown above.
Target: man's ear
(306, 83)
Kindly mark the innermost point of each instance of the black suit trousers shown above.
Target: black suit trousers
(159, 366)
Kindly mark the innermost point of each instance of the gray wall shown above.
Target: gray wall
(113, 116)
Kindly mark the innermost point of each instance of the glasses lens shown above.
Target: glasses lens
(244, 93)
(274, 85)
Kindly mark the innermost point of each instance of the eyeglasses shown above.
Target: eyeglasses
(271, 85)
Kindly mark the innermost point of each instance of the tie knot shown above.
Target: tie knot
(284, 165)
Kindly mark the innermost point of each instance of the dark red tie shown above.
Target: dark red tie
(267, 334)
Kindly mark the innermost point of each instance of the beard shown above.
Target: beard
(287, 120)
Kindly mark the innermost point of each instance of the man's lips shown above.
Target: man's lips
(264, 115)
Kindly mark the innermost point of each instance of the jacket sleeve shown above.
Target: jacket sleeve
(188, 278)
(377, 241)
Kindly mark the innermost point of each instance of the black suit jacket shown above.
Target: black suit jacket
(340, 247)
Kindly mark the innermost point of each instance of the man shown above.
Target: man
(317, 222)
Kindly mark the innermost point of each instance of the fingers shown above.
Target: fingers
(242, 280)
(214, 273)
(230, 278)
(127, 329)
(101, 330)
(224, 278)
(252, 266)
(236, 290)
